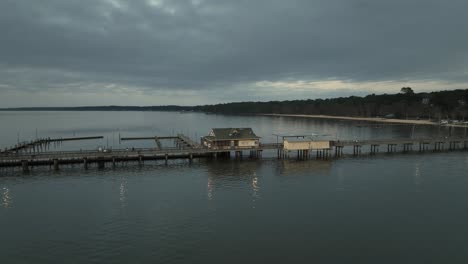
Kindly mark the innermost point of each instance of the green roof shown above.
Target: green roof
(232, 133)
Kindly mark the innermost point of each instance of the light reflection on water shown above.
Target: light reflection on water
(418, 180)
(123, 193)
(6, 197)
(255, 185)
(210, 189)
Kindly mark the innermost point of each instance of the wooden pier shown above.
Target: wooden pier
(187, 149)
(42, 144)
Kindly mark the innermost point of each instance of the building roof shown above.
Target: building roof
(232, 133)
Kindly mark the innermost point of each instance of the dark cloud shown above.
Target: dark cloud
(205, 45)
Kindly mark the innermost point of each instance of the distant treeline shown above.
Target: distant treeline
(104, 108)
(434, 105)
(406, 104)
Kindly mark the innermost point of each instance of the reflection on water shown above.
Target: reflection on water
(234, 174)
(418, 180)
(123, 193)
(340, 185)
(295, 167)
(230, 172)
(255, 189)
(6, 197)
(210, 188)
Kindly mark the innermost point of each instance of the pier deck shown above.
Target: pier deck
(188, 149)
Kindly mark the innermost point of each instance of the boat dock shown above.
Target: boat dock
(42, 144)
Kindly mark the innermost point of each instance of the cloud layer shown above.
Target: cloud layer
(157, 51)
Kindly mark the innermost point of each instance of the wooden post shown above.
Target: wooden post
(56, 164)
(85, 163)
(101, 163)
(24, 164)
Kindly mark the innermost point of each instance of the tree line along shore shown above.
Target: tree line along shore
(425, 108)
(435, 106)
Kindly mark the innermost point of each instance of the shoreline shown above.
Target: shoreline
(370, 119)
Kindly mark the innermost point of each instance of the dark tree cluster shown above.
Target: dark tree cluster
(406, 104)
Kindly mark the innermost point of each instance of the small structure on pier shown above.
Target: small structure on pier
(305, 144)
(231, 138)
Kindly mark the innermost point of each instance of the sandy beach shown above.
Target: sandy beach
(369, 119)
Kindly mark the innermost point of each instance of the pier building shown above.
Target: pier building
(230, 138)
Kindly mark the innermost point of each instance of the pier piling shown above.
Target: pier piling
(56, 164)
(101, 163)
(25, 166)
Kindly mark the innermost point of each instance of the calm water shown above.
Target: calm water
(385, 209)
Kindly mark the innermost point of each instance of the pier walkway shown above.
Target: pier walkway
(189, 149)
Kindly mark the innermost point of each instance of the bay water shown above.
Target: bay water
(398, 208)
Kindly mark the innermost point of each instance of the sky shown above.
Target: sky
(191, 52)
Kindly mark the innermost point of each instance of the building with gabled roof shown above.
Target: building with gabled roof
(231, 138)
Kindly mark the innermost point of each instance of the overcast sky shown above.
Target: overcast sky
(187, 52)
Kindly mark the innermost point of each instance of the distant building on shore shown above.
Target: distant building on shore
(231, 138)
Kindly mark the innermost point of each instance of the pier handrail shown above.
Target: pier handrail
(135, 152)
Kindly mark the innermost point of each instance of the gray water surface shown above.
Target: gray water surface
(387, 209)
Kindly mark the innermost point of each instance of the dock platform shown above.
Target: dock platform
(189, 149)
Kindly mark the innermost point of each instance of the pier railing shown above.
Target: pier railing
(188, 150)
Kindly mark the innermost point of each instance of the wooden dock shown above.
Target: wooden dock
(185, 148)
(403, 145)
(42, 143)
